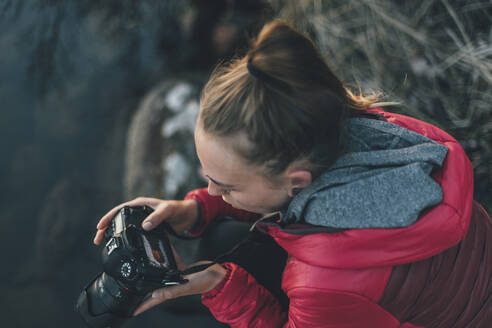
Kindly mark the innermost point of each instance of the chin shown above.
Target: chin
(241, 206)
(233, 204)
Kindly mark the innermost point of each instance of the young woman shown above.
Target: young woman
(375, 210)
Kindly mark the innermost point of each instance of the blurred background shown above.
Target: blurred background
(99, 100)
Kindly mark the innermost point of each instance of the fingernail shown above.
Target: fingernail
(147, 225)
(157, 294)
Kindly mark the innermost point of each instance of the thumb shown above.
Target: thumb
(161, 213)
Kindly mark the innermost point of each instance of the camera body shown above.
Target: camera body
(135, 262)
(141, 260)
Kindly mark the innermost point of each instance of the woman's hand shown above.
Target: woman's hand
(180, 214)
(198, 283)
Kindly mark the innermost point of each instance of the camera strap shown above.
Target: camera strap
(197, 268)
(253, 240)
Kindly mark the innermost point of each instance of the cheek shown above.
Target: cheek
(245, 198)
(264, 201)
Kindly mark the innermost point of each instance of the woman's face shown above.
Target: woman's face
(229, 176)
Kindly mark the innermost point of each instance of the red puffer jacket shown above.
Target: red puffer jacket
(436, 272)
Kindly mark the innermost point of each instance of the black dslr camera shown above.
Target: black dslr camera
(135, 262)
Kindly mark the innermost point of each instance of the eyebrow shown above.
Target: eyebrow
(220, 183)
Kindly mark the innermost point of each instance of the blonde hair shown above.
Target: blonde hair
(285, 98)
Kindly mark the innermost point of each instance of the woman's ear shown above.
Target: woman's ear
(298, 180)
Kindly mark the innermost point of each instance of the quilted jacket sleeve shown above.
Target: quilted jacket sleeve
(240, 301)
(212, 207)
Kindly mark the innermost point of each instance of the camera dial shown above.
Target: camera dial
(126, 270)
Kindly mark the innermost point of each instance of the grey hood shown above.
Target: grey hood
(381, 180)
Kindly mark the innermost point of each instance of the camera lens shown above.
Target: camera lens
(135, 262)
(106, 303)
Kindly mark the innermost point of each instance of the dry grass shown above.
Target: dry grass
(434, 56)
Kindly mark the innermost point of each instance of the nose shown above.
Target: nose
(213, 190)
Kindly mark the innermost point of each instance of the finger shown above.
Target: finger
(161, 295)
(99, 236)
(103, 222)
(150, 303)
(198, 283)
(163, 211)
(170, 292)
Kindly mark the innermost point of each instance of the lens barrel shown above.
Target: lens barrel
(133, 264)
(104, 302)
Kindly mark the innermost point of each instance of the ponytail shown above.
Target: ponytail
(284, 97)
